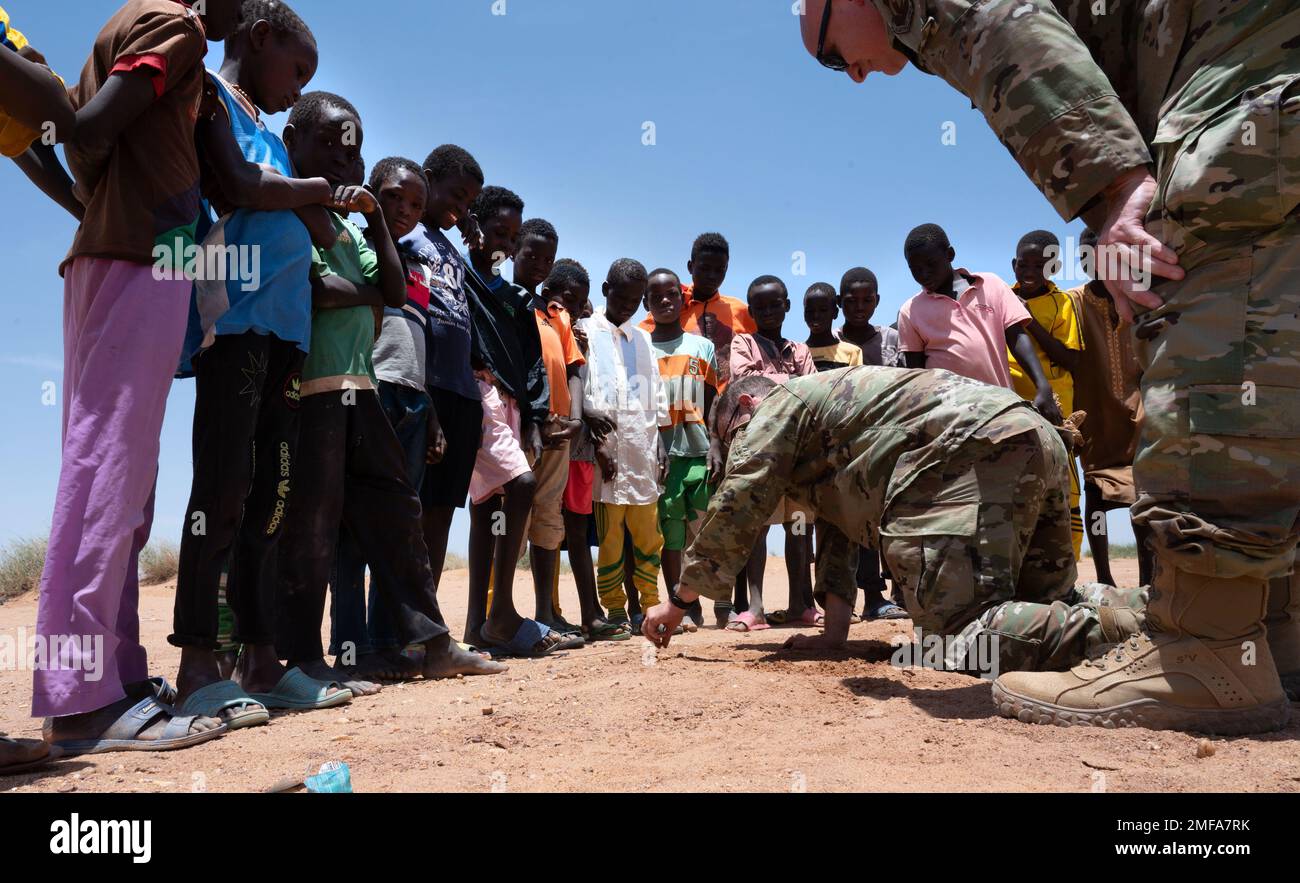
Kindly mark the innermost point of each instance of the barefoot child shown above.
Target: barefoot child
(689, 368)
(362, 631)
(352, 470)
(125, 307)
(625, 403)
(1056, 336)
(247, 341)
(768, 353)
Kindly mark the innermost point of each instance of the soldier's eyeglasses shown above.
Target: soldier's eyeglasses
(833, 60)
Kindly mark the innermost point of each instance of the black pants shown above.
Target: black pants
(246, 412)
(352, 472)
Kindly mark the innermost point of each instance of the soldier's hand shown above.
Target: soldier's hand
(1125, 237)
(660, 623)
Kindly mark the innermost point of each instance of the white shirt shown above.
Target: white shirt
(623, 383)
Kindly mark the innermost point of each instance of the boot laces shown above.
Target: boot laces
(1115, 653)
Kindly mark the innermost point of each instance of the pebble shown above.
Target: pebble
(487, 709)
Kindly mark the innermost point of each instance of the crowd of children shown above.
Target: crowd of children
(376, 379)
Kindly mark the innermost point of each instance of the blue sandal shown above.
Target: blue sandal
(222, 696)
(298, 691)
(123, 734)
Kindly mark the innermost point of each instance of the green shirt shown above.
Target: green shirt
(847, 443)
(343, 340)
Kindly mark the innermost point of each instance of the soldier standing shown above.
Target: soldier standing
(1172, 128)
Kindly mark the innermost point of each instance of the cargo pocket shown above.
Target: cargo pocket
(932, 555)
(1238, 172)
(1244, 458)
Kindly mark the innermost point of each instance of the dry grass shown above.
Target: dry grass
(159, 562)
(21, 563)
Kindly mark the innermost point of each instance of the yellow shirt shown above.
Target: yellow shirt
(15, 138)
(1055, 312)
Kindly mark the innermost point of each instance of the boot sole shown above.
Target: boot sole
(1148, 713)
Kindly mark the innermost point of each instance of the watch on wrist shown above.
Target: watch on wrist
(676, 601)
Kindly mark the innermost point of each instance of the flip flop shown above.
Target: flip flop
(212, 700)
(35, 753)
(812, 616)
(298, 691)
(123, 733)
(747, 622)
(609, 631)
(885, 610)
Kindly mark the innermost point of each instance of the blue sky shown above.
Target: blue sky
(752, 138)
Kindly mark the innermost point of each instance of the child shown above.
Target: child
(247, 340)
(1054, 331)
(352, 470)
(625, 406)
(689, 368)
(569, 286)
(820, 311)
(456, 422)
(875, 345)
(516, 404)
(767, 352)
(125, 307)
(534, 259)
(362, 632)
(35, 113)
(859, 298)
(965, 322)
(1106, 388)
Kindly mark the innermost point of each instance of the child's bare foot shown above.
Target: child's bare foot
(443, 658)
(387, 665)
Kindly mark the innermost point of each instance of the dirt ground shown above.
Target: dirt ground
(717, 711)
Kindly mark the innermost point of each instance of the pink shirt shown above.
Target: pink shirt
(967, 335)
(751, 354)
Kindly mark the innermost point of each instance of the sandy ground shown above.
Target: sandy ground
(717, 711)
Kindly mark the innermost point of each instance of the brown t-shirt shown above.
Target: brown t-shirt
(145, 191)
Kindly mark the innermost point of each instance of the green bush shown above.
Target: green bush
(21, 563)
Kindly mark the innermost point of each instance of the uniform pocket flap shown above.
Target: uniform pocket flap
(947, 519)
(1249, 411)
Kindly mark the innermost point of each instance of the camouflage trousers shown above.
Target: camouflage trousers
(1218, 464)
(1001, 589)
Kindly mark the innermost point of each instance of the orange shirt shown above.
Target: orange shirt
(719, 320)
(559, 351)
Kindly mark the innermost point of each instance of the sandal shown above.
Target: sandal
(123, 734)
(226, 696)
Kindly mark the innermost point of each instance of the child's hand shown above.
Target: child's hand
(716, 462)
(1045, 404)
(580, 338)
(532, 443)
(600, 425)
(437, 442)
(353, 198)
(379, 320)
(608, 468)
(470, 232)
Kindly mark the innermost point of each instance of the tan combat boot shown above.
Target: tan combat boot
(1283, 624)
(1202, 664)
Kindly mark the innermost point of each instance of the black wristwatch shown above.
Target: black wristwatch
(676, 601)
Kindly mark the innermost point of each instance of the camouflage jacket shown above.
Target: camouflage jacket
(847, 443)
(1080, 91)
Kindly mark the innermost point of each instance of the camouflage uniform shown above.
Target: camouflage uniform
(1208, 93)
(961, 485)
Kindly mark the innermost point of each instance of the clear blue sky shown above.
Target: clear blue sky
(753, 139)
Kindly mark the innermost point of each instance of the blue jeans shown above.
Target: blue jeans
(370, 627)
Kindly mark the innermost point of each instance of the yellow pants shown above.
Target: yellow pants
(1076, 515)
(642, 522)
